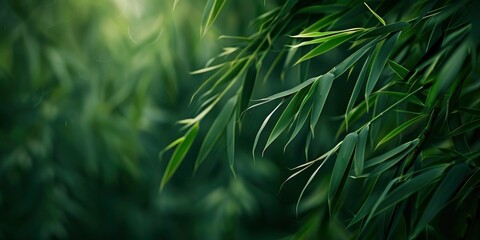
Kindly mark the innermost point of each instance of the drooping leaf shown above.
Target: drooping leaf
(210, 14)
(320, 97)
(399, 129)
(379, 63)
(447, 74)
(286, 118)
(179, 154)
(231, 143)
(303, 112)
(217, 128)
(352, 59)
(325, 47)
(247, 89)
(398, 69)
(341, 167)
(389, 154)
(467, 127)
(255, 142)
(357, 88)
(375, 14)
(360, 150)
(379, 31)
(450, 183)
(406, 188)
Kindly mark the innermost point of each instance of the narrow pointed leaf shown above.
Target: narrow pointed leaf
(352, 59)
(356, 90)
(286, 118)
(448, 73)
(179, 154)
(341, 167)
(379, 63)
(411, 186)
(398, 69)
(215, 131)
(445, 190)
(231, 144)
(360, 151)
(390, 154)
(320, 97)
(325, 47)
(467, 127)
(400, 129)
(211, 12)
(255, 142)
(380, 19)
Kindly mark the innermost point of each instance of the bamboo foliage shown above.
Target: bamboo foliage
(409, 133)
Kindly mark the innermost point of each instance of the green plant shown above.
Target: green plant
(399, 82)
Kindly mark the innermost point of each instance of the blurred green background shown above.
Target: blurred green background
(90, 94)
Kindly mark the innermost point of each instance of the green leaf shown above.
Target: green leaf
(379, 63)
(408, 187)
(325, 47)
(398, 69)
(231, 144)
(352, 59)
(303, 112)
(290, 91)
(390, 154)
(179, 154)
(379, 31)
(286, 118)
(255, 142)
(215, 131)
(341, 168)
(467, 127)
(327, 33)
(399, 129)
(211, 12)
(450, 183)
(376, 15)
(360, 150)
(356, 89)
(247, 89)
(322, 23)
(320, 97)
(446, 76)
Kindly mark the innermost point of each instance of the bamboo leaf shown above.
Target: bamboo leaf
(255, 142)
(360, 150)
(325, 47)
(179, 154)
(447, 74)
(383, 30)
(445, 190)
(341, 168)
(390, 154)
(398, 69)
(399, 129)
(286, 118)
(357, 88)
(320, 97)
(247, 89)
(379, 63)
(210, 14)
(303, 112)
(231, 144)
(467, 127)
(423, 179)
(352, 59)
(215, 131)
(290, 91)
(380, 19)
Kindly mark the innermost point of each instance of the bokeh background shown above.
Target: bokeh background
(90, 93)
